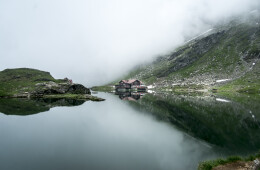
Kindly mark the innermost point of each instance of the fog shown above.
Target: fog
(96, 41)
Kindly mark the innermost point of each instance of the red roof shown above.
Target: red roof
(130, 81)
(125, 81)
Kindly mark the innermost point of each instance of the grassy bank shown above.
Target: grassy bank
(249, 83)
(33, 83)
(17, 81)
(105, 88)
(208, 165)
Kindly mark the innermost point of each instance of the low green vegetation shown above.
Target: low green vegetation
(107, 88)
(32, 83)
(249, 83)
(240, 86)
(208, 165)
(15, 81)
(188, 88)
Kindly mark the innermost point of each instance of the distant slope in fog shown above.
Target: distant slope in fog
(227, 52)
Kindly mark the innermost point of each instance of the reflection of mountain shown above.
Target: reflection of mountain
(132, 96)
(27, 107)
(229, 125)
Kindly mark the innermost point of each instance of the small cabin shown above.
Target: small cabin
(124, 84)
(130, 84)
(135, 82)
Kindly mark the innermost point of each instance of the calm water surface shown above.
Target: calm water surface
(149, 133)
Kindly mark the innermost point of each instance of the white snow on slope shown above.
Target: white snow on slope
(199, 35)
(222, 100)
(221, 80)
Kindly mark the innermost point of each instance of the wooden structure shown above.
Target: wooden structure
(133, 85)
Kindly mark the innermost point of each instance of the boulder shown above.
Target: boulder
(78, 89)
(51, 87)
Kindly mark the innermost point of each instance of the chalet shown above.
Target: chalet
(132, 84)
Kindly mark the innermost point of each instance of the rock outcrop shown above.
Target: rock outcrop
(33, 83)
(51, 87)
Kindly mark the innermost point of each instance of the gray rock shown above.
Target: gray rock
(51, 87)
(78, 89)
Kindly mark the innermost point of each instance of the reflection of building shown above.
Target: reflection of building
(130, 95)
(133, 85)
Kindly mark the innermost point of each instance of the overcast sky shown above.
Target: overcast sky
(95, 41)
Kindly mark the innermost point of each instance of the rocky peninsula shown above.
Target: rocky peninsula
(32, 83)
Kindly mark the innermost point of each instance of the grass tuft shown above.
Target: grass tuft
(208, 165)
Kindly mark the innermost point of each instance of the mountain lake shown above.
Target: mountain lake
(126, 131)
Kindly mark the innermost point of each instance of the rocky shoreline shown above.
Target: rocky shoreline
(58, 90)
(32, 83)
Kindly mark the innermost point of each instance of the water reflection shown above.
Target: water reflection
(110, 135)
(158, 131)
(18, 106)
(128, 95)
(234, 126)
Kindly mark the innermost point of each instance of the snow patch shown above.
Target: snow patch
(150, 87)
(199, 35)
(222, 100)
(150, 91)
(221, 80)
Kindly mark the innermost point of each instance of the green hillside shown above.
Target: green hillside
(230, 52)
(14, 81)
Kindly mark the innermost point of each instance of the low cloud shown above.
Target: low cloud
(96, 41)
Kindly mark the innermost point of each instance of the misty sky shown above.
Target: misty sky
(95, 41)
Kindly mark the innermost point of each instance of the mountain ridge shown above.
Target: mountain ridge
(229, 54)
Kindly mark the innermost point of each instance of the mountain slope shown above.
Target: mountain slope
(231, 52)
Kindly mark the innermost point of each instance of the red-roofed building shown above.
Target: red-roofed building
(132, 84)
